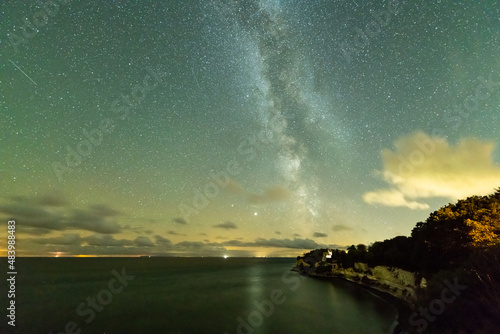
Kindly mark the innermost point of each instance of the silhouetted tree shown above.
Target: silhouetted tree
(451, 233)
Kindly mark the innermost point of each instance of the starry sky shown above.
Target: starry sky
(241, 128)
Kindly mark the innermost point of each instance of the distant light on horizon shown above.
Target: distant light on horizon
(59, 254)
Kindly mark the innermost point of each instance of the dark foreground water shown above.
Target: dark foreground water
(186, 295)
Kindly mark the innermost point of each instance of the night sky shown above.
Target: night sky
(241, 128)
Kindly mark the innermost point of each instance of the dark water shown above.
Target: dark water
(187, 295)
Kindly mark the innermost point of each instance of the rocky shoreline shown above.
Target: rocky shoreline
(404, 309)
(397, 286)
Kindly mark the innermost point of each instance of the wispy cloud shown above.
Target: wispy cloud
(93, 221)
(65, 239)
(175, 233)
(226, 225)
(104, 210)
(143, 241)
(274, 193)
(296, 243)
(106, 241)
(52, 213)
(179, 220)
(340, 228)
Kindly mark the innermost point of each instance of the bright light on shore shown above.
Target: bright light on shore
(225, 256)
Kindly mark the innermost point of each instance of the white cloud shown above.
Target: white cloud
(423, 167)
(392, 197)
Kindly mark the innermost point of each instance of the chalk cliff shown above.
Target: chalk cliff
(397, 282)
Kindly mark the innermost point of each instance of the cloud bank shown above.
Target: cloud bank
(44, 214)
(51, 226)
(105, 244)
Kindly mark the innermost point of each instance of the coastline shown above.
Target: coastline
(404, 306)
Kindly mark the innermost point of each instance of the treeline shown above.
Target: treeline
(459, 243)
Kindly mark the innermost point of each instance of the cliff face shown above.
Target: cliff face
(397, 282)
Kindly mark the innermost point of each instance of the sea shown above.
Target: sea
(185, 295)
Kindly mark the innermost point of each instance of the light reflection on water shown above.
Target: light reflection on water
(197, 296)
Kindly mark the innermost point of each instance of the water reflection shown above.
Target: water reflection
(258, 307)
(200, 296)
